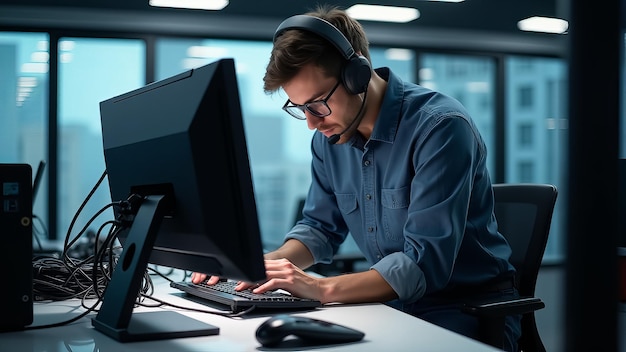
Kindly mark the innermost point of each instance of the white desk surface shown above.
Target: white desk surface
(385, 328)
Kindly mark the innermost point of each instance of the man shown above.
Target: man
(400, 167)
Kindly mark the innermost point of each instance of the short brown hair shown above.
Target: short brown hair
(295, 49)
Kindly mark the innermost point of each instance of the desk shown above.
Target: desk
(386, 329)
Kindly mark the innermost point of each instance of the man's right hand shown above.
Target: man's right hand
(197, 278)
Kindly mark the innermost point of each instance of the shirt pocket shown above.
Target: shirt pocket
(346, 203)
(395, 204)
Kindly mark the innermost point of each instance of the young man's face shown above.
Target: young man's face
(309, 85)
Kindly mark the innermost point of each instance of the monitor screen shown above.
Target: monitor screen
(178, 147)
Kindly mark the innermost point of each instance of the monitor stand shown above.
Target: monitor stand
(115, 317)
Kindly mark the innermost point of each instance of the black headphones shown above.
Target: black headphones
(356, 72)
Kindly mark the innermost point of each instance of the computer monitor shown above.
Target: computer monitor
(180, 145)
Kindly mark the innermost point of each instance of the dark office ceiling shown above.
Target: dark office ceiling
(481, 15)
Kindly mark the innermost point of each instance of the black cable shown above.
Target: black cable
(36, 232)
(65, 322)
(80, 209)
(98, 264)
(57, 279)
(70, 277)
(228, 314)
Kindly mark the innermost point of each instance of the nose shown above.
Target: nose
(313, 122)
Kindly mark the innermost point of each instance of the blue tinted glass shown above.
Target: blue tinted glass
(24, 67)
(90, 71)
(536, 132)
(470, 80)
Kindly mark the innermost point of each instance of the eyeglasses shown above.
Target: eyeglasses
(317, 108)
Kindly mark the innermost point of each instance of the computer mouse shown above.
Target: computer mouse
(275, 329)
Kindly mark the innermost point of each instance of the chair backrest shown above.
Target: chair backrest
(524, 214)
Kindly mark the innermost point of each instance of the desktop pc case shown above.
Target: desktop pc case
(16, 204)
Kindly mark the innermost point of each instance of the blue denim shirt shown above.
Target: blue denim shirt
(416, 196)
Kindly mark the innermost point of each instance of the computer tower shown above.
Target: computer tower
(16, 213)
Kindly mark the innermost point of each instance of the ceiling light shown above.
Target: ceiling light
(191, 4)
(383, 13)
(543, 24)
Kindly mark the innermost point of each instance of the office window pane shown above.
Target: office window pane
(90, 70)
(471, 81)
(536, 131)
(278, 145)
(400, 61)
(24, 67)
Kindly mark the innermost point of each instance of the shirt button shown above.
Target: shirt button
(367, 163)
(368, 196)
(370, 229)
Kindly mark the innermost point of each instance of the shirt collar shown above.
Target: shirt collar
(390, 110)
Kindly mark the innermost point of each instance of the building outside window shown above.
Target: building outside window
(536, 133)
(90, 70)
(24, 73)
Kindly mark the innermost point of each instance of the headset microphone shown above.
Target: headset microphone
(335, 137)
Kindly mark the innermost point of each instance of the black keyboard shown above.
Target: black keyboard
(223, 293)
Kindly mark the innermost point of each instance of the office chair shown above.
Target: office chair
(524, 215)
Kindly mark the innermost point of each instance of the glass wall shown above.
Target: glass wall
(535, 121)
(24, 71)
(90, 70)
(470, 80)
(536, 132)
(94, 69)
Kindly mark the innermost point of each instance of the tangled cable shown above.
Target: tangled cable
(86, 278)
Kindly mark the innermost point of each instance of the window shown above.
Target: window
(94, 69)
(536, 132)
(525, 135)
(24, 67)
(90, 70)
(525, 97)
(471, 81)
